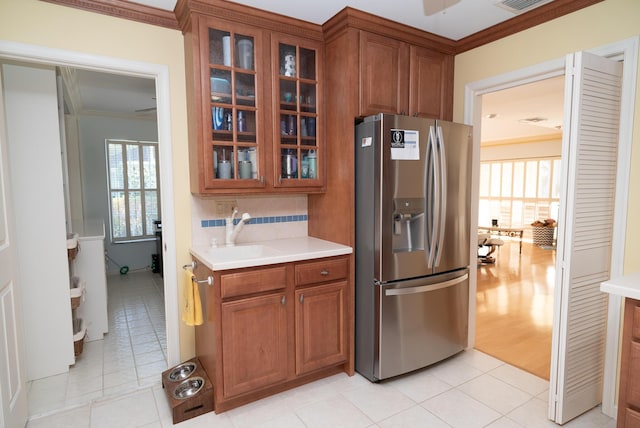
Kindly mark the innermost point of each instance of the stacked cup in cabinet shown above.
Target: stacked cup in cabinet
(76, 294)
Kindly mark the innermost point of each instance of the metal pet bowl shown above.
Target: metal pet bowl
(188, 388)
(182, 371)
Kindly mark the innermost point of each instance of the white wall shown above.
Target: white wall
(35, 171)
(93, 131)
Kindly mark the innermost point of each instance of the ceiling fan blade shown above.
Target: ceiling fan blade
(142, 110)
(431, 7)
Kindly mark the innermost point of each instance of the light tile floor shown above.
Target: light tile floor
(469, 390)
(130, 356)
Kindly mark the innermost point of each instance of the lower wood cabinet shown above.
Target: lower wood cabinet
(320, 326)
(629, 393)
(271, 328)
(254, 343)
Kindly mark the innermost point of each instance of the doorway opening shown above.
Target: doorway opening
(520, 154)
(625, 51)
(159, 75)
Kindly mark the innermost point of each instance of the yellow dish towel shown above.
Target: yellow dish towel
(192, 309)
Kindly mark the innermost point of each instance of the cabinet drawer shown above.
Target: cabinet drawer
(321, 271)
(257, 281)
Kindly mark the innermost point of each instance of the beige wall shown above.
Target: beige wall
(43, 24)
(595, 26)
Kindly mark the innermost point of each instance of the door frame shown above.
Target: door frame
(160, 73)
(627, 51)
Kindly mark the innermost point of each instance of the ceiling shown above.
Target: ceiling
(92, 92)
(529, 111)
(463, 18)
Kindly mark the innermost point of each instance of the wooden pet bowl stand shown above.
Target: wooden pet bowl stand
(191, 406)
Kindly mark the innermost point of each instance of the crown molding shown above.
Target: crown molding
(537, 16)
(346, 18)
(124, 9)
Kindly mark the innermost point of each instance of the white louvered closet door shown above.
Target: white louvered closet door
(590, 152)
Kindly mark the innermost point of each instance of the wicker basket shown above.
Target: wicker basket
(75, 302)
(79, 334)
(72, 252)
(78, 345)
(76, 290)
(543, 236)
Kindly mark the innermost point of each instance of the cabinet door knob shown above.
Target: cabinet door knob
(324, 272)
(301, 298)
(283, 300)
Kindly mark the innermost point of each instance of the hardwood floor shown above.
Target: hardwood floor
(514, 310)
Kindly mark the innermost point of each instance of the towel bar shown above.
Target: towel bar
(209, 280)
(193, 265)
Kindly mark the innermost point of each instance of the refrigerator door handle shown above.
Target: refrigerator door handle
(442, 203)
(432, 190)
(426, 288)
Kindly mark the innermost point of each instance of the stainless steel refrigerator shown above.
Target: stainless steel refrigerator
(413, 187)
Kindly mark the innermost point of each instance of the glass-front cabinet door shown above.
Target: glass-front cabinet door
(298, 152)
(234, 151)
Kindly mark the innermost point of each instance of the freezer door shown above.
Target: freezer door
(421, 322)
(454, 142)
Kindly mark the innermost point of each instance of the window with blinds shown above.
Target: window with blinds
(134, 194)
(518, 192)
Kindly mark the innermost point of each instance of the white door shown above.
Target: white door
(590, 153)
(13, 392)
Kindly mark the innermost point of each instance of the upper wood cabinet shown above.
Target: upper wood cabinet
(384, 72)
(396, 77)
(254, 87)
(298, 151)
(430, 83)
(231, 153)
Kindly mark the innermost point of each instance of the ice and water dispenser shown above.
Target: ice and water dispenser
(408, 224)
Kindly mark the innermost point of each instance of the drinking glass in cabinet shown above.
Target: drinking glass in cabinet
(289, 163)
(246, 161)
(307, 98)
(244, 52)
(223, 162)
(308, 130)
(219, 47)
(307, 64)
(245, 89)
(309, 164)
(288, 95)
(288, 125)
(222, 123)
(246, 126)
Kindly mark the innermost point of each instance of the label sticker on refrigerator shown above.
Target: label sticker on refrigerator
(404, 144)
(366, 142)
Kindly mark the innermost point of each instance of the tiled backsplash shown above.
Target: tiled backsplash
(274, 217)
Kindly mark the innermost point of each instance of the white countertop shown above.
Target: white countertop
(625, 286)
(267, 252)
(89, 229)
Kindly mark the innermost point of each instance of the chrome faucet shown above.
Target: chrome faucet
(231, 231)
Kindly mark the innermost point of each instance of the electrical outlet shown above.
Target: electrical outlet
(225, 208)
